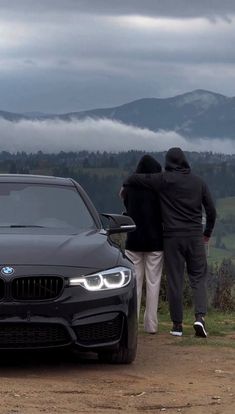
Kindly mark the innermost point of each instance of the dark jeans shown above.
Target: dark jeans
(179, 251)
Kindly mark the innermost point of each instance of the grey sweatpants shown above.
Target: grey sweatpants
(178, 251)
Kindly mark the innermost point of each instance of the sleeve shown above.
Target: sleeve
(210, 210)
(150, 181)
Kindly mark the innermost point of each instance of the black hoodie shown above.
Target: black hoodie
(143, 205)
(182, 195)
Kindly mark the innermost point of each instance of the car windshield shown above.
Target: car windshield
(39, 206)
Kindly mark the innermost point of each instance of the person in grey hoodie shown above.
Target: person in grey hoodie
(182, 197)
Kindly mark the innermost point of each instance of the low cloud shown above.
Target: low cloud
(53, 136)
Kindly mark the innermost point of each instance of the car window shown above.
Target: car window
(43, 205)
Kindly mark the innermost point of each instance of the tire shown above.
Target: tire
(122, 355)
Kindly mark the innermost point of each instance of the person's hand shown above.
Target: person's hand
(206, 239)
(121, 192)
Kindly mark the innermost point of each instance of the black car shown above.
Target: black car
(63, 282)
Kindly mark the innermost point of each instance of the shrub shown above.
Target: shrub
(224, 298)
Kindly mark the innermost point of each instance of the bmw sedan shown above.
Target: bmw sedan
(63, 282)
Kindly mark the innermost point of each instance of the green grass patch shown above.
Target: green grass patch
(220, 327)
(229, 241)
(209, 341)
(217, 255)
(224, 233)
(226, 207)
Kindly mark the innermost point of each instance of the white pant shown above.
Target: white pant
(148, 264)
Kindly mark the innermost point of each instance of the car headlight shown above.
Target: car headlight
(107, 279)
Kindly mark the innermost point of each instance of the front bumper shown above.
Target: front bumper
(86, 320)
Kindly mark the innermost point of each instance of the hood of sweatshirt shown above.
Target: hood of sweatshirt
(176, 161)
(148, 165)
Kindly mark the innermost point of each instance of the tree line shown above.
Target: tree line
(102, 173)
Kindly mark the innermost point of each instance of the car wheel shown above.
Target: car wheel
(122, 355)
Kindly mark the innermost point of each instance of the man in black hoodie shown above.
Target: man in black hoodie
(182, 196)
(144, 246)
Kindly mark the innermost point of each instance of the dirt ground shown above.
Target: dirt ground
(165, 377)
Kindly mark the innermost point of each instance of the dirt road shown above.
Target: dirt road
(166, 377)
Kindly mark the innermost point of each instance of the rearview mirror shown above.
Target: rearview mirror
(119, 223)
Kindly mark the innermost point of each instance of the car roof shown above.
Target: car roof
(34, 179)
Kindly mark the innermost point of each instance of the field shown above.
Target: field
(220, 325)
(225, 230)
(226, 207)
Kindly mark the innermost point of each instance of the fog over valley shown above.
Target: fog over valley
(55, 135)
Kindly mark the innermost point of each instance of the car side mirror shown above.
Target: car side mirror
(119, 223)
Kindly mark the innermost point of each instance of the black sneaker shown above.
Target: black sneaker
(177, 329)
(199, 327)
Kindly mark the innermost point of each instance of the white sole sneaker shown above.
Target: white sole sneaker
(176, 333)
(199, 329)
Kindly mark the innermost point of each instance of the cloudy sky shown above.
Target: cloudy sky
(67, 55)
(58, 56)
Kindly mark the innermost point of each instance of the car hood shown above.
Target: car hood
(88, 249)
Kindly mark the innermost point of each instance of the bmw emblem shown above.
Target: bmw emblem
(7, 270)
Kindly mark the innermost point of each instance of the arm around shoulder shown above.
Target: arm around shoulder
(150, 181)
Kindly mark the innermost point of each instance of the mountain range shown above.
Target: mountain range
(199, 113)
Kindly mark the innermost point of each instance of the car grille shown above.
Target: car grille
(32, 335)
(2, 289)
(100, 331)
(37, 287)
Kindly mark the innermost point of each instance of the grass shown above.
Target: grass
(225, 210)
(220, 326)
(217, 255)
(226, 207)
(229, 241)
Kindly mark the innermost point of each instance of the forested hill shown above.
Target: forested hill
(102, 174)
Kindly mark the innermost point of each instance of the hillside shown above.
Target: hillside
(194, 114)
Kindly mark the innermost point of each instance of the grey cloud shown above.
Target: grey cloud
(169, 8)
(59, 91)
(92, 135)
(166, 8)
(29, 62)
(75, 55)
(83, 44)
